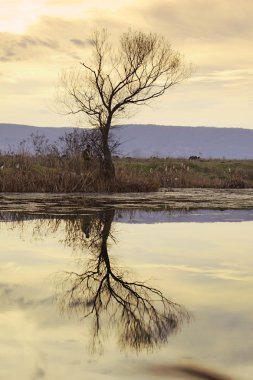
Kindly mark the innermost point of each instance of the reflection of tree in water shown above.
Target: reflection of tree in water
(143, 316)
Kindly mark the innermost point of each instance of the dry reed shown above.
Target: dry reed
(52, 173)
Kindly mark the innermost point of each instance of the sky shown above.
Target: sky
(41, 38)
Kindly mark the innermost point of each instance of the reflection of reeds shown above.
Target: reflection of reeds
(186, 372)
(52, 173)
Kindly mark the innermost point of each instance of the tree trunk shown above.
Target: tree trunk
(107, 166)
(107, 219)
(108, 170)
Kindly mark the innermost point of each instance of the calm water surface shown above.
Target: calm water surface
(111, 294)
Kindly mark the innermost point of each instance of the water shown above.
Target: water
(115, 294)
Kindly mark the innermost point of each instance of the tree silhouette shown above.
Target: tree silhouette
(143, 317)
(116, 77)
(102, 291)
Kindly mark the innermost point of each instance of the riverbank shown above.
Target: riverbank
(54, 174)
(81, 204)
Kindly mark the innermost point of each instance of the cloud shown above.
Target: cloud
(212, 34)
(78, 42)
(69, 41)
(15, 47)
(10, 295)
(225, 77)
(216, 36)
(205, 31)
(62, 2)
(39, 373)
(200, 19)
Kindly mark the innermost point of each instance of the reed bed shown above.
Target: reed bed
(56, 174)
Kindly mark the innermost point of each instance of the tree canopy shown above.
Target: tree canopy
(103, 88)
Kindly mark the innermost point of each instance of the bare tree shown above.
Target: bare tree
(141, 68)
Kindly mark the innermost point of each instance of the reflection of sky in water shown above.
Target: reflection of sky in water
(205, 267)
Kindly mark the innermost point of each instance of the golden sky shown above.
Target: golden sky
(38, 38)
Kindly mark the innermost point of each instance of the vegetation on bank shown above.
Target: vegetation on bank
(61, 173)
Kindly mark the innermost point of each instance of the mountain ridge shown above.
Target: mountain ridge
(146, 140)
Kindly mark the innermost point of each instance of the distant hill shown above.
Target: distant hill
(12, 134)
(207, 142)
(155, 140)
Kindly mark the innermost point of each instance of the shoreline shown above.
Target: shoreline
(171, 199)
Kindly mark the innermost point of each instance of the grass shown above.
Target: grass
(51, 173)
(185, 173)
